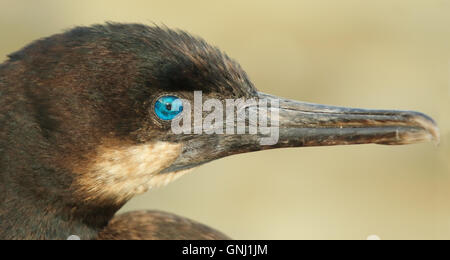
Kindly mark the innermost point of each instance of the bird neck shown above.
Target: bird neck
(26, 215)
(37, 198)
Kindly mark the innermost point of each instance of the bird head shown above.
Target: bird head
(113, 110)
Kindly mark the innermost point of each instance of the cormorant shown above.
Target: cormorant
(85, 125)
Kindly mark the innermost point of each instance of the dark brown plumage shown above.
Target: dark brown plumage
(79, 138)
(157, 225)
(64, 96)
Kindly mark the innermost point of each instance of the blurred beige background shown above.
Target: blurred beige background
(373, 54)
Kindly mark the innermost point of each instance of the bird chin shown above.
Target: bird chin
(119, 171)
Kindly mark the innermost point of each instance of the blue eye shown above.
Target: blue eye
(168, 107)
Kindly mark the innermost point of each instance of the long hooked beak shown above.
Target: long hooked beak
(306, 124)
(301, 124)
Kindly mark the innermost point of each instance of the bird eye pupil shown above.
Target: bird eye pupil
(168, 107)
